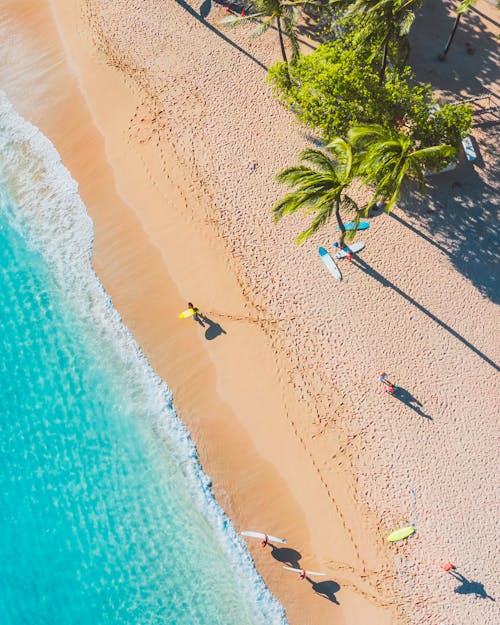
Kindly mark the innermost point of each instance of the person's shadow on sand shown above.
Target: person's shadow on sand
(291, 557)
(468, 587)
(213, 330)
(409, 400)
(326, 589)
(286, 555)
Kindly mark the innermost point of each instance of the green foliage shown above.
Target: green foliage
(382, 24)
(465, 6)
(269, 12)
(332, 88)
(320, 186)
(358, 87)
(388, 157)
(446, 125)
(337, 86)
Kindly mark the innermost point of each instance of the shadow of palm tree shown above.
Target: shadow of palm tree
(216, 31)
(205, 8)
(460, 208)
(458, 215)
(462, 72)
(373, 273)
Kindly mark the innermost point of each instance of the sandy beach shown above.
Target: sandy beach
(174, 138)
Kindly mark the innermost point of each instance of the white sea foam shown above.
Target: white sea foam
(49, 212)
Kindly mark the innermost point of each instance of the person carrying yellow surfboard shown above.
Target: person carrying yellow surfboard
(196, 313)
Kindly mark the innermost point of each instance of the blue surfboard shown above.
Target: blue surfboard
(351, 225)
(330, 264)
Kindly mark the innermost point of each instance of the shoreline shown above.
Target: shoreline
(40, 199)
(150, 212)
(223, 438)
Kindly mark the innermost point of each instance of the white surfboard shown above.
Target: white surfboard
(354, 249)
(330, 263)
(289, 568)
(271, 539)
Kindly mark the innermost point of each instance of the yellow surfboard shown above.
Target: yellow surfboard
(401, 533)
(189, 312)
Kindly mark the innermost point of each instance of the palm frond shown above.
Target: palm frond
(299, 3)
(464, 6)
(343, 154)
(261, 28)
(348, 205)
(362, 132)
(435, 150)
(289, 204)
(305, 178)
(290, 174)
(319, 159)
(307, 198)
(235, 20)
(405, 22)
(322, 218)
(317, 199)
(396, 187)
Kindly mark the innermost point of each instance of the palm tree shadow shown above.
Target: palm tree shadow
(461, 72)
(326, 589)
(205, 8)
(459, 213)
(467, 197)
(409, 400)
(214, 329)
(469, 587)
(216, 31)
(373, 273)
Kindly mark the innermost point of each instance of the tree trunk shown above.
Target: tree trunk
(384, 58)
(282, 43)
(340, 223)
(452, 34)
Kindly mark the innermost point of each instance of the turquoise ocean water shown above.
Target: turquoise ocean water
(106, 516)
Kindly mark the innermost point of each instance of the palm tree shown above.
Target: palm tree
(463, 7)
(388, 158)
(320, 188)
(283, 12)
(383, 21)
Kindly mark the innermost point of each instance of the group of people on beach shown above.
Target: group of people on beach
(389, 387)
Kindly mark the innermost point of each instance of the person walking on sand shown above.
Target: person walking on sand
(302, 574)
(196, 313)
(348, 254)
(448, 566)
(390, 388)
(264, 541)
